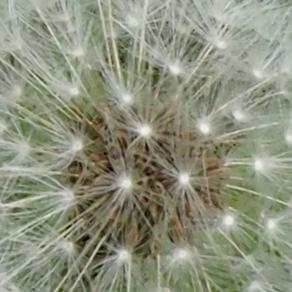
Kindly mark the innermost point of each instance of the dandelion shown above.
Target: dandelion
(144, 130)
(184, 178)
(145, 146)
(228, 220)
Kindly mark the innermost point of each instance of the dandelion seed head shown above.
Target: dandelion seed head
(181, 255)
(132, 21)
(220, 44)
(73, 91)
(23, 148)
(239, 115)
(204, 127)
(130, 111)
(258, 74)
(67, 198)
(67, 246)
(127, 98)
(126, 183)
(123, 256)
(175, 68)
(263, 165)
(76, 145)
(228, 220)
(16, 91)
(17, 43)
(259, 165)
(184, 178)
(78, 53)
(271, 224)
(145, 130)
(65, 16)
(288, 138)
(255, 286)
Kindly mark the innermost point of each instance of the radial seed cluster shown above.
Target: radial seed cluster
(145, 146)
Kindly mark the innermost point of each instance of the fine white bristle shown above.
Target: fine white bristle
(145, 145)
